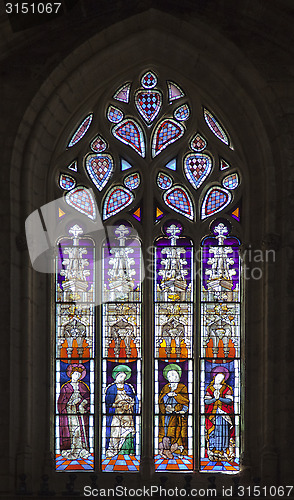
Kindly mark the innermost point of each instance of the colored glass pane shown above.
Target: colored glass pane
(98, 145)
(121, 351)
(231, 181)
(173, 297)
(215, 200)
(159, 213)
(116, 200)
(82, 200)
(223, 164)
(75, 337)
(99, 168)
(124, 164)
(178, 199)
(148, 80)
(66, 182)
(220, 351)
(114, 114)
(236, 213)
(130, 133)
(164, 181)
(198, 143)
(137, 214)
(182, 113)
(73, 166)
(132, 181)
(81, 130)
(172, 165)
(197, 167)
(174, 91)
(215, 126)
(148, 103)
(167, 132)
(123, 93)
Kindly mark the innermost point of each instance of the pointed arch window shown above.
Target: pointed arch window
(160, 170)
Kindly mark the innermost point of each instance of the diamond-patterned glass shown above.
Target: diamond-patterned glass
(99, 168)
(215, 200)
(178, 199)
(116, 200)
(130, 132)
(81, 130)
(197, 167)
(167, 132)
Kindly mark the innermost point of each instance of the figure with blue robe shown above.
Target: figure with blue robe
(121, 406)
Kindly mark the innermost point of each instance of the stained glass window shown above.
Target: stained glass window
(220, 351)
(75, 341)
(156, 168)
(121, 352)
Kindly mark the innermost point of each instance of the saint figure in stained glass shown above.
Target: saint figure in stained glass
(121, 404)
(173, 420)
(73, 408)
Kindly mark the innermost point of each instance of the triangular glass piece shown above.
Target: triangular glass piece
(99, 168)
(167, 132)
(98, 144)
(216, 199)
(148, 80)
(164, 181)
(172, 165)
(215, 126)
(82, 200)
(132, 181)
(66, 182)
(236, 214)
(182, 113)
(81, 130)
(123, 93)
(73, 166)
(174, 91)
(124, 164)
(223, 164)
(198, 143)
(179, 200)
(197, 167)
(61, 213)
(231, 181)
(148, 103)
(159, 213)
(114, 114)
(116, 200)
(137, 214)
(129, 132)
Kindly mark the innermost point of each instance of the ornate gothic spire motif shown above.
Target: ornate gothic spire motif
(120, 281)
(173, 275)
(75, 274)
(220, 274)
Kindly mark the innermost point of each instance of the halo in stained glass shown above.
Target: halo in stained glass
(73, 166)
(179, 200)
(231, 181)
(99, 168)
(148, 103)
(124, 164)
(182, 113)
(215, 126)
(123, 93)
(164, 181)
(114, 114)
(223, 164)
(81, 130)
(198, 143)
(167, 132)
(172, 165)
(66, 182)
(149, 80)
(132, 181)
(197, 167)
(82, 200)
(215, 200)
(174, 91)
(129, 132)
(98, 144)
(116, 200)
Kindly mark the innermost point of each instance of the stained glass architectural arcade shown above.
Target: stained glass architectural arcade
(162, 178)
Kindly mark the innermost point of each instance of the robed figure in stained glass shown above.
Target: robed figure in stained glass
(121, 405)
(219, 411)
(173, 420)
(73, 408)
